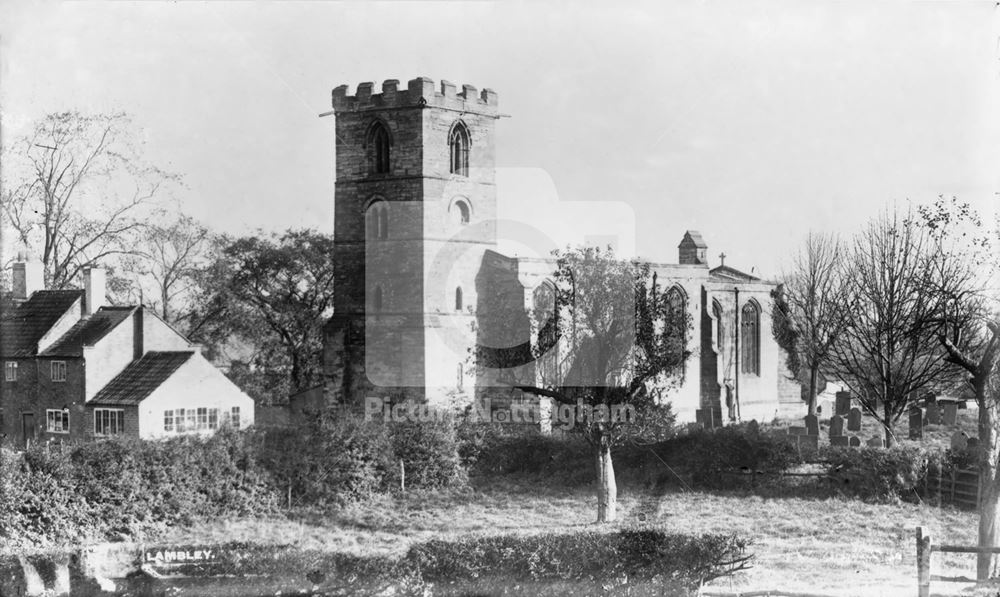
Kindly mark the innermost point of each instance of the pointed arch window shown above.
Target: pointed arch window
(719, 330)
(458, 144)
(458, 298)
(378, 220)
(379, 145)
(750, 339)
(675, 311)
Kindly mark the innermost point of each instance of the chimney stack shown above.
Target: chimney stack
(94, 283)
(29, 276)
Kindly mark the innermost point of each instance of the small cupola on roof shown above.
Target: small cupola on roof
(692, 250)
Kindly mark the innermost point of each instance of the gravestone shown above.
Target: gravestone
(797, 431)
(950, 414)
(916, 422)
(854, 419)
(836, 426)
(839, 440)
(959, 441)
(933, 414)
(812, 425)
(807, 442)
(843, 404)
(855, 441)
(876, 442)
(704, 416)
(753, 427)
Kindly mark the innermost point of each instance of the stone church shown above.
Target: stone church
(417, 260)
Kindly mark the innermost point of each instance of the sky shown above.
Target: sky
(752, 122)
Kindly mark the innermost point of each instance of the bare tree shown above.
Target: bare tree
(888, 352)
(614, 333)
(167, 261)
(817, 308)
(77, 190)
(963, 272)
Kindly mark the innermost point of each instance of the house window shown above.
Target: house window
(57, 421)
(213, 418)
(179, 419)
(750, 339)
(191, 419)
(168, 420)
(458, 143)
(235, 417)
(57, 370)
(202, 418)
(109, 421)
(458, 298)
(378, 149)
(10, 370)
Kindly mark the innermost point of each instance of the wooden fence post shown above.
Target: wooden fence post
(923, 563)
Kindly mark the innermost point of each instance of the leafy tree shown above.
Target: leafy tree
(77, 192)
(888, 352)
(813, 308)
(616, 336)
(272, 293)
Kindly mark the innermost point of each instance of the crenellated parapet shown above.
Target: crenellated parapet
(419, 92)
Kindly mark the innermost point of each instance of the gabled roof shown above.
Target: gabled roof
(692, 238)
(726, 273)
(23, 326)
(141, 378)
(88, 331)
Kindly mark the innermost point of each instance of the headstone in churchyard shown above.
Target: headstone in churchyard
(808, 442)
(972, 443)
(753, 427)
(916, 422)
(703, 416)
(843, 404)
(855, 441)
(933, 414)
(854, 419)
(950, 414)
(812, 425)
(839, 440)
(959, 441)
(876, 442)
(797, 431)
(836, 426)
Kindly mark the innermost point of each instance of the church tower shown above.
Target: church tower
(414, 212)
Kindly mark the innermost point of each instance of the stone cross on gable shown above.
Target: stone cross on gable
(722, 258)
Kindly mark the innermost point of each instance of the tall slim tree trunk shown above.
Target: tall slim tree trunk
(607, 489)
(813, 371)
(989, 483)
(887, 422)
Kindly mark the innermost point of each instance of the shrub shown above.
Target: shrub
(877, 473)
(429, 452)
(705, 454)
(643, 554)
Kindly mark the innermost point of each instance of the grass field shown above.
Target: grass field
(818, 547)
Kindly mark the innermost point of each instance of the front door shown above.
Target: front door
(28, 429)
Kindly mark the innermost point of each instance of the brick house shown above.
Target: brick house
(77, 369)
